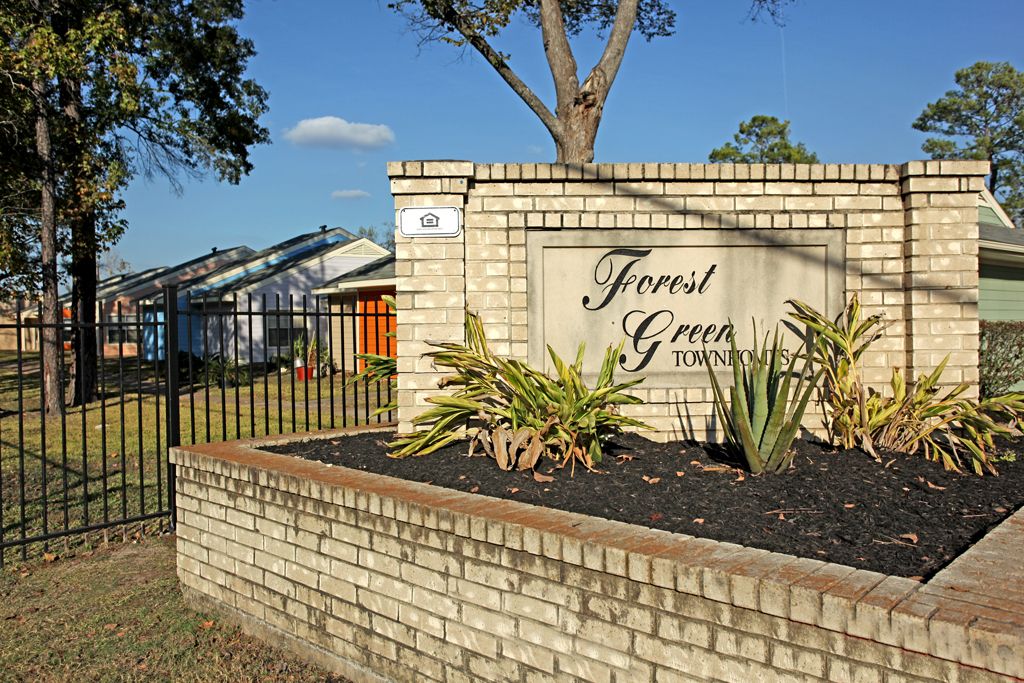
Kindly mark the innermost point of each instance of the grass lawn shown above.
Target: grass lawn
(117, 615)
(107, 461)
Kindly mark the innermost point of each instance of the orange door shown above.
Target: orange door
(375, 322)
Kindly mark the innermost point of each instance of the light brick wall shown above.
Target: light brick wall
(430, 278)
(941, 271)
(910, 232)
(385, 579)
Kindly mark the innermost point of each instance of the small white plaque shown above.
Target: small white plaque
(430, 221)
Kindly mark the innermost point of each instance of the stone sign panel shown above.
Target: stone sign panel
(671, 294)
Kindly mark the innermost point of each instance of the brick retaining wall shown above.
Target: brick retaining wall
(380, 578)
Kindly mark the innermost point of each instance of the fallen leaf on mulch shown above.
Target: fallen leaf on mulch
(542, 478)
(935, 486)
(625, 457)
(699, 520)
(513, 490)
(680, 474)
(656, 517)
(651, 480)
(474, 489)
(910, 537)
(849, 505)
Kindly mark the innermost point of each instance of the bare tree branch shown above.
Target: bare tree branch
(454, 18)
(559, 53)
(601, 77)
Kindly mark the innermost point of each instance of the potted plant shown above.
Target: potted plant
(312, 359)
(318, 360)
(299, 358)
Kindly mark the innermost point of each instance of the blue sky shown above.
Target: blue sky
(851, 75)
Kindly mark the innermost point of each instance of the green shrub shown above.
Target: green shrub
(299, 348)
(217, 371)
(944, 425)
(1002, 356)
(516, 413)
(841, 343)
(762, 416)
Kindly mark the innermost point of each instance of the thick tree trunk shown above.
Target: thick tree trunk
(50, 338)
(84, 246)
(579, 107)
(83, 277)
(575, 144)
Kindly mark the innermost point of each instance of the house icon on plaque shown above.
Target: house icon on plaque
(429, 220)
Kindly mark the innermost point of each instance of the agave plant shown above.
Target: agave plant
(379, 368)
(516, 413)
(764, 409)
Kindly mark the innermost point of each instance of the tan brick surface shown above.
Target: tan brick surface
(911, 255)
(412, 583)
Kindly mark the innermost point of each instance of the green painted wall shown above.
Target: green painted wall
(1001, 293)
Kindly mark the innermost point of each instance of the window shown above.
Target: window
(122, 329)
(283, 330)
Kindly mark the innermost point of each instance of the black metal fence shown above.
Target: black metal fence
(177, 369)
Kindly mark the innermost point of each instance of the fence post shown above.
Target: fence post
(173, 407)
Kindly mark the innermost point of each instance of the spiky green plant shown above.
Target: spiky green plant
(224, 371)
(516, 413)
(841, 343)
(379, 368)
(763, 412)
(942, 425)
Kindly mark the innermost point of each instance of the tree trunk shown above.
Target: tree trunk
(579, 108)
(84, 246)
(83, 278)
(575, 144)
(50, 338)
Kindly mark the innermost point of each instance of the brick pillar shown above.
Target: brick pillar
(940, 252)
(430, 278)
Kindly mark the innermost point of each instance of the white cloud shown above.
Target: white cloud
(331, 131)
(350, 194)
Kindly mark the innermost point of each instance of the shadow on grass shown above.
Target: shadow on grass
(118, 614)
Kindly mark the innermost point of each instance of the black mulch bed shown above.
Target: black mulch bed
(904, 516)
